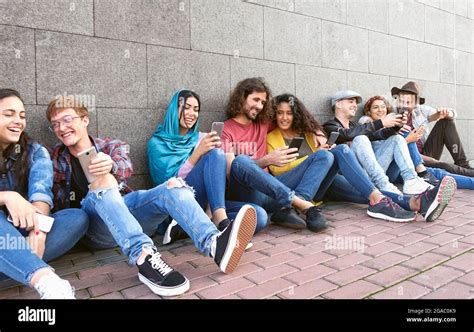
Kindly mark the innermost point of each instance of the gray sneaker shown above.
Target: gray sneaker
(386, 209)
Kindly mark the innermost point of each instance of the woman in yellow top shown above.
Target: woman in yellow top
(294, 120)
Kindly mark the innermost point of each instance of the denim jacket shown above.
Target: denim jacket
(40, 178)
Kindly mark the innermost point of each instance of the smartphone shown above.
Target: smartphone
(296, 143)
(218, 127)
(332, 138)
(44, 222)
(85, 157)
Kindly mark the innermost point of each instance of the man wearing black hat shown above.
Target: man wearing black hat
(444, 132)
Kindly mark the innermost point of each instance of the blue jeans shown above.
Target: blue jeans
(208, 179)
(248, 182)
(376, 157)
(20, 263)
(342, 190)
(346, 163)
(125, 221)
(463, 182)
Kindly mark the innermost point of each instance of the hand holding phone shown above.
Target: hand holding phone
(296, 143)
(85, 157)
(44, 222)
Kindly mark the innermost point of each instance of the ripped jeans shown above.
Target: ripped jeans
(126, 221)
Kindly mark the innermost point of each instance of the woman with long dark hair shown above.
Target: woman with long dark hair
(26, 178)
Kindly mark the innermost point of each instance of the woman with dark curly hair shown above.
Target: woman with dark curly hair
(293, 120)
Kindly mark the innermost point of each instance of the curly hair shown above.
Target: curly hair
(303, 121)
(238, 98)
(369, 103)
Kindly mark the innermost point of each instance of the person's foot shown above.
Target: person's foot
(161, 278)
(231, 243)
(288, 217)
(315, 221)
(223, 225)
(390, 187)
(415, 186)
(386, 209)
(173, 233)
(430, 178)
(51, 286)
(434, 201)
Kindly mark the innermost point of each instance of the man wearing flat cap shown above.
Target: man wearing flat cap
(443, 133)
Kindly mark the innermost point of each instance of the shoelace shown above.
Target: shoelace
(392, 204)
(313, 210)
(158, 264)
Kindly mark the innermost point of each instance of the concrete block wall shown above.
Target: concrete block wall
(129, 56)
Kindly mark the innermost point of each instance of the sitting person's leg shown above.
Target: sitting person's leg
(364, 152)
(248, 182)
(396, 143)
(445, 133)
(462, 182)
(451, 168)
(176, 198)
(22, 265)
(69, 226)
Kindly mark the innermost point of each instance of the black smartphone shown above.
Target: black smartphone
(332, 138)
(296, 143)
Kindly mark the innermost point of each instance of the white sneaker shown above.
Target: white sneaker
(390, 187)
(415, 186)
(51, 286)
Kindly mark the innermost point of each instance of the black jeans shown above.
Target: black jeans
(444, 133)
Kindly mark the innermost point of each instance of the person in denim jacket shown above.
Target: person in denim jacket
(26, 179)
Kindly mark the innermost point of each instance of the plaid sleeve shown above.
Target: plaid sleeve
(119, 151)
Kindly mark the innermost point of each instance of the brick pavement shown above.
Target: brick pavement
(358, 257)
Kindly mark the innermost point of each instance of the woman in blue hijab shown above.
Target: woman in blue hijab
(178, 149)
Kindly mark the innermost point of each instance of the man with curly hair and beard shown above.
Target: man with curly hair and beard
(288, 197)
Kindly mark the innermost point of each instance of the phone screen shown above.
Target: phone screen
(296, 143)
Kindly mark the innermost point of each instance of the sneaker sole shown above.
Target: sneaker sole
(165, 291)
(384, 217)
(443, 197)
(167, 236)
(242, 231)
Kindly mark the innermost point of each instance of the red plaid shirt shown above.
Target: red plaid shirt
(122, 168)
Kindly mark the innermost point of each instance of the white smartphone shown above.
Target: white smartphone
(44, 222)
(85, 157)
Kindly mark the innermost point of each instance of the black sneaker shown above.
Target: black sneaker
(315, 221)
(223, 224)
(160, 277)
(386, 209)
(434, 201)
(173, 233)
(288, 217)
(231, 243)
(430, 178)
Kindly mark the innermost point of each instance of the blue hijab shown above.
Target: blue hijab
(167, 149)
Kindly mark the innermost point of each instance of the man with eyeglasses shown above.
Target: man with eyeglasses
(127, 221)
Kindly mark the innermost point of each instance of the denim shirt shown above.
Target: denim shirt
(40, 178)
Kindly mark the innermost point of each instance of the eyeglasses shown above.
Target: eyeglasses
(65, 120)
